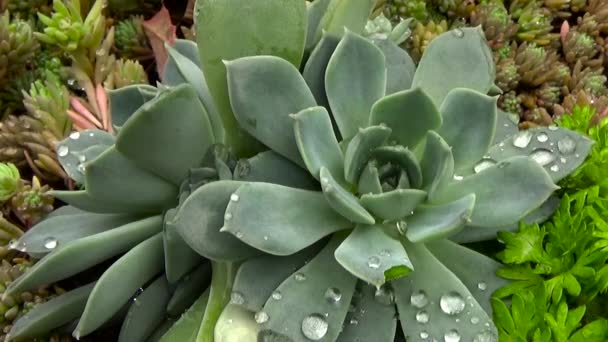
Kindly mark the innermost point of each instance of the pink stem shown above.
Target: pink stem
(83, 111)
(80, 120)
(102, 101)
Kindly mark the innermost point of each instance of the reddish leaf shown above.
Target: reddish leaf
(160, 30)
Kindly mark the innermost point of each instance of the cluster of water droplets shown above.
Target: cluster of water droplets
(63, 151)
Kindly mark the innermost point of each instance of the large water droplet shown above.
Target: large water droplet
(261, 317)
(422, 317)
(401, 227)
(75, 135)
(234, 198)
(419, 299)
(276, 295)
(554, 168)
(300, 276)
(333, 295)
(373, 262)
(63, 151)
(237, 298)
(452, 336)
(542, 137)
(484, 164)
(522, 139)
(485, 336)
(566, 145)
(50, 243)
(314, 327)
(482, 285)
(452, 303)
(542, 156)
(424, 335)
(458, 33)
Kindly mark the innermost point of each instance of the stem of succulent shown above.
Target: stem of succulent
(222, 280)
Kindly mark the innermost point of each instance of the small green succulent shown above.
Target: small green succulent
(9, 181)
(406, 163)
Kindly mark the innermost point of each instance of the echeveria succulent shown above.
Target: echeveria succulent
(404, 163)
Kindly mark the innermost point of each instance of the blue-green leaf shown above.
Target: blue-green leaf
(394, 204)
(437, 164)
(360, 148)
(343, 202)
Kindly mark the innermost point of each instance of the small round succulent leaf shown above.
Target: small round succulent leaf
(373, 256)
(264, 91)
(433, 222)
(394, 204)
(410, 114)
(317, 143)
(280, 220)
(354, 80)
(342, 201)
(459, 58)
(359, 150)
(469, 120)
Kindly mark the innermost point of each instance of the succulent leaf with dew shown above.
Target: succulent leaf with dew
(402, 173)
(9, 181)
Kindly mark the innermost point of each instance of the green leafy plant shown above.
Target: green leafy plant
(9, 181)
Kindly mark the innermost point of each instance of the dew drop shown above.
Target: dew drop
(401, 227)
(554, 168)
(419, 299)
(458, 177)
(82, 158)
(485, 336)
(333, 295)
(422, 317)
(75, 135)
(553, 128)
(239, 235)
(542, 137)
(562, 160)
(354, 322)
(227, 217)
(276, 295)
(484, 164)
(261, 317)
(542, 156)
(63, 151)
(522, 139)
(386, 253)
(237, 298)
(81, 168)
(300, 276)
(482, 285)
(452, 336)
(474, 320)
(373, 262)
(50, 243)
(458, 33)
(314, 327)
(452, 303)
(566, 145)
(234, 198)
(424, 335)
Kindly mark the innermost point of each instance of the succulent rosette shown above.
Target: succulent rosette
(406, 161)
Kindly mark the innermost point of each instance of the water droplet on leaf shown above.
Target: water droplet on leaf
(227, 217)
(474, 320)
(419, 299)
(333, 295)
(482, 285)
(424, 335)
(63, 151)
(522, 139)
(452, 336)
(276, 295)
(373, 262)
(485, 336)
(566, 145)
(234, 198)
(458, 33)
(452, 303)
(300, 276)
(75, 135)
(261, 317)
(314, 327)
(542, 137)
(237, 298)
(422, 317)
(542, 156)
(50, 243)
(484, 164)
(554, 168)
(402, 227)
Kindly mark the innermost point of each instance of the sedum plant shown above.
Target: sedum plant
(405, 162)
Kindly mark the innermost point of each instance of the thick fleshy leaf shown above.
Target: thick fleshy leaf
(126, 100)
(270, 167)
(350, 14)
(402, 157)
(257, 278)
(560, 151)
(354, 80)
(360, 148)
(200, 218)
(146, 312)
(432, 222)
(81, 199)
(79, 255)
(179, 257)
(164, 141)
(369, 181)
(505, 192)
(400, 67)
(437, 164)
(316, 66)
(394, 204)
(183, 69)
(280, 220)
(264, 91)
(315, 11)
(261, 28)
(459, 58)
(131, 271)
(373, 317)
(372, 255)
(79, 148)
(112, 177)
(186, 328)
(56, 231)
(342, 201)
(433, 302)
(410, 114)
(50, 315)
(469, 120)
(317, 143)
(481, 280)
(189, 289)
(327, 288)
(506, 126)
